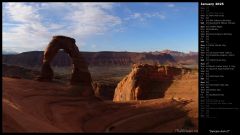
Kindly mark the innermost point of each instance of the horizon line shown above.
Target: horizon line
(104, 51)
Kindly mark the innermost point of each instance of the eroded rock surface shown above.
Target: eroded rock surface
(80, 73)
(30, 106)
(103, 90)
(146, 82)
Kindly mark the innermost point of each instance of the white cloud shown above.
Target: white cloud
(102, 5)
(171, 5)
(28, 36)
(53, 26)
(31, 26)
(157, 14)
(136, 15)
(21, 12)
(92, 19)
(145, 16)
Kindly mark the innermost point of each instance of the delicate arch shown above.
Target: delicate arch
(80, 73)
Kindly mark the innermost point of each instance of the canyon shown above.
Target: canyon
(99, 91)
(104, 58)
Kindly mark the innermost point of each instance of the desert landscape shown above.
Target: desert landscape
(98, 67)
(110, 92)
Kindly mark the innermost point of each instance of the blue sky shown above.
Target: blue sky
(102, 26)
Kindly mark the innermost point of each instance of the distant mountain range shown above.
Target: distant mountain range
(176, 53)
(190, 58)
(9, 52)
(104, 58)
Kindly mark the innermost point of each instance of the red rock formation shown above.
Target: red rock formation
(105, 90)
(80, 74)
(146, 82)
(30, 59)
(18, 72)
(30, 106)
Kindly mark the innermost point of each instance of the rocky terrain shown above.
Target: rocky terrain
(114, 66)
(32, 106)
(147, 82)
(182, 58)
(18, 72)
(105, 58)
(156, 95)
(104, 82)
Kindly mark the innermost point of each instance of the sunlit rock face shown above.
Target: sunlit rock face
(80, 73)
(146, 82)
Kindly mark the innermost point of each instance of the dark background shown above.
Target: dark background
(225, 119)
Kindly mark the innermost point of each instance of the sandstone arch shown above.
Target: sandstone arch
(80, 73)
